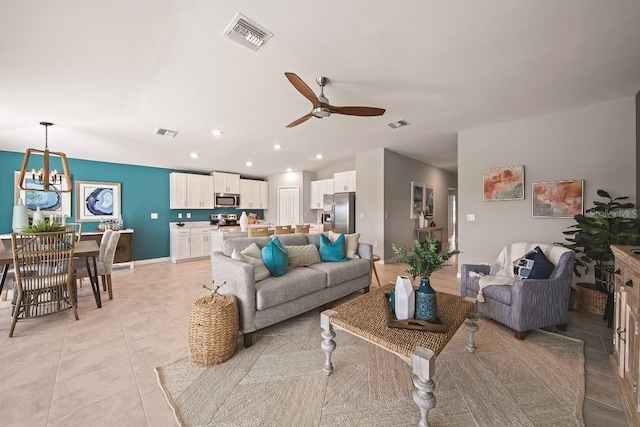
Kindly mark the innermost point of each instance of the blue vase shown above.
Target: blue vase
(426, 302)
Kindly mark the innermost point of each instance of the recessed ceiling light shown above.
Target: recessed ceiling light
(277, 146)
(216, 132)
(289, 169)
(318, 156)
(249, 164)
(194, 155)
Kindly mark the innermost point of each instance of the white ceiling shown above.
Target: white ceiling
(109, 73)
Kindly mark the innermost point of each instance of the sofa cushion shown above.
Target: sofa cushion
(501, 294)
(338, 273)
(332, 251)
(260, 271)
(302, 255)
(533, 265)
(314, 239)
(275, 257)
(243, 243)
(293, 239)
(350, 243)
(297, 282)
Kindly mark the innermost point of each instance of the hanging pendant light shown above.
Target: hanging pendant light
(50, 180)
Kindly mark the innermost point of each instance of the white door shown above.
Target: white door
(288, 206)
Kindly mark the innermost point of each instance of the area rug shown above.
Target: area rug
(279, 382)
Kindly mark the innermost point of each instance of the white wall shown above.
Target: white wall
(339, 166)
(596, 143)
(399, 171)
(370, 198)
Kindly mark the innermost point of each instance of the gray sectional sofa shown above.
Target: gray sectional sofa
(274, 299)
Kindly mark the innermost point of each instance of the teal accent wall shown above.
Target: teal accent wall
(144, 190)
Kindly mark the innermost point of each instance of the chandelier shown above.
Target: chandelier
(45, 178)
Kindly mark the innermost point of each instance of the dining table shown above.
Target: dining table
(86, 249)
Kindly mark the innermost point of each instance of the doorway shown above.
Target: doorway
(452, 225)
(288, 206)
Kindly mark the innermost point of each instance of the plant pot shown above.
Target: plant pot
(590, 299)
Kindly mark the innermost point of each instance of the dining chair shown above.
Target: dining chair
(43, 270)
(283, 229)
(103, 265)
(258, 231)
(75, 226)
(302, 229)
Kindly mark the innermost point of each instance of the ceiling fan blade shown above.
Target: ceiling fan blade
(358, 111)
(300, 120)
(302, 88)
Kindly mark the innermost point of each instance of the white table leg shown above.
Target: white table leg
(328, 342)
(424, 364)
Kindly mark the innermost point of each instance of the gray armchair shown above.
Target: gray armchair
(526, 304)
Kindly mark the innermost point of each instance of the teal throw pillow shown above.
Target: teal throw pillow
(332, 251)
(275, 257)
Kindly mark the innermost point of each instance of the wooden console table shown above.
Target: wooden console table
(123, 250)
(429, 231)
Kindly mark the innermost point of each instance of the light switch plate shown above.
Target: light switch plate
(179, 216)
(471, 217)
(154, 215)
(188, 214)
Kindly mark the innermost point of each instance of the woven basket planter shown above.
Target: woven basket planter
(591, 300)
(213, 329)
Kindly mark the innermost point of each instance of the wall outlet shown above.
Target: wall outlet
(471, 217)
(375, 244)
(188, 215)
(179, 216)
(361, 215)
(154, 215)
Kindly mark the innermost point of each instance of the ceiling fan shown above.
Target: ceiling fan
(321, 107)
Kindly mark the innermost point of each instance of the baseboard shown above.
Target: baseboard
(152, 260)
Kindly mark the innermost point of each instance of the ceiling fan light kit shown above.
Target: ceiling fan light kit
(321, 107)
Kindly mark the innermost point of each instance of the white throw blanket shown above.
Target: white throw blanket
(501, 273)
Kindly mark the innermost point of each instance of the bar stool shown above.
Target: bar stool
(373, 261)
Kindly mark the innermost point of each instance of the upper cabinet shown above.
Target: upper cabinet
(226, 183)
(190, 191)
(318, 190)
(344, 182)
(254, 194)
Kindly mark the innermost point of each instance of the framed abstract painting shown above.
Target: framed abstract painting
(417, 199)
(428, 201)
(505, 183)
(557, 199)
(97, 201)
(50, 202)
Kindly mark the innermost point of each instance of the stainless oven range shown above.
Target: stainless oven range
(222, 220)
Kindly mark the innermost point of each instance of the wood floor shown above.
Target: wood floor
(99, 370)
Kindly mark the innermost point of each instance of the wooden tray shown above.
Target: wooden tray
(415, 324)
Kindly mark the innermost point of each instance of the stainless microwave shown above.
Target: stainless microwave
(227, 200)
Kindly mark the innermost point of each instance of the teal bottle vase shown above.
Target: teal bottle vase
(426, 302)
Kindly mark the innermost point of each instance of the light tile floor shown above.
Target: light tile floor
(99, 370)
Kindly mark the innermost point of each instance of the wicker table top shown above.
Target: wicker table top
(366, 317)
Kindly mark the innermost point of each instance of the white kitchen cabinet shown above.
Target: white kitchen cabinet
(254, 194)
(180, 244)
(177, 190)
(190, 243)
(344, 182)
(318, 190)
(190, 191)
(226, 183)
(264, 195)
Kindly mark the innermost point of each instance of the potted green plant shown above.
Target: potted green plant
(423, 259)
(44, 227)
(612, 222)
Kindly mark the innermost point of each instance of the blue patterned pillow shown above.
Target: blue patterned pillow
(533, 265)
(332, 251)
(275, 257)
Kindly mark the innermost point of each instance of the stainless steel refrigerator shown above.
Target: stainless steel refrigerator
(340, 212)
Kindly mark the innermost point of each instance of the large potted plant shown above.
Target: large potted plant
(610, 222)
(424, 259)
(613, 222)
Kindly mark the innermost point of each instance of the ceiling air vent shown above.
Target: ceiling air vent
(246, 32)
(398, 124)
(166, 132)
